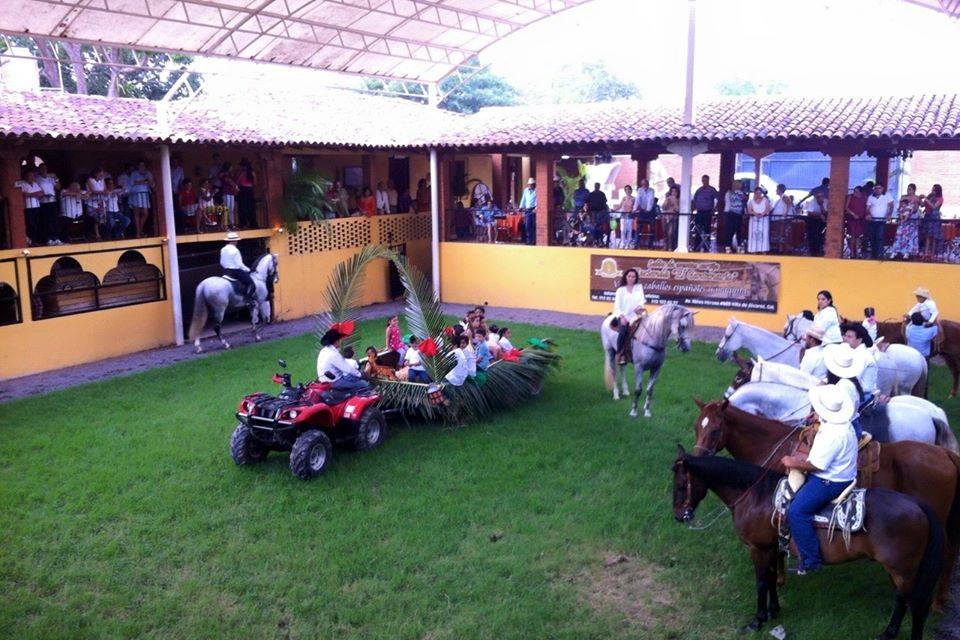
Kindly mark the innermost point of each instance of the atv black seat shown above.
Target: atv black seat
(336, 396)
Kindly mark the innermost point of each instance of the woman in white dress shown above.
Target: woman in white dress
(827, 319)
(627, 307)
(758, 210)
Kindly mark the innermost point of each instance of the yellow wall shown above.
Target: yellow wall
(52, 343)
(558, 278)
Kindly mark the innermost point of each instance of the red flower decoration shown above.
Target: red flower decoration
(511, 356)
(344, 328)
(448, 331)
(428, 348)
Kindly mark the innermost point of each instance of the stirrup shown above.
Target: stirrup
(865, 439)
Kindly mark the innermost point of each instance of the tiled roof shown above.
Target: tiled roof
(346, 118)
(767, 120)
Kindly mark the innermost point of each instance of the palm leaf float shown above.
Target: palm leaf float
(305, 198)
(506, 384)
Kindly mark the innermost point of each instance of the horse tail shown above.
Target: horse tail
(931, 563)
(945, 437)
(920, 388)
(200, 312)
(608, 380)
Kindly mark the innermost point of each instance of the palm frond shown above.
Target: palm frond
(305, 198)
(424, 317)
(345, 288)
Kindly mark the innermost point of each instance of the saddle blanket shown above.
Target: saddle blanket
(848, 516)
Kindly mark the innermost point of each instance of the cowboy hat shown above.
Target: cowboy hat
(923, 292)
(232, 237)
(531, 181)
(336, 331)
(843, 361)
(831, 404)
(814, 332)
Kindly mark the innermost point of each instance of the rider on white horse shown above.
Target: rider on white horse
(627, 307)
(233, 268)
(812, 362)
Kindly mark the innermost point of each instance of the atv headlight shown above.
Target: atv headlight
(293, 415)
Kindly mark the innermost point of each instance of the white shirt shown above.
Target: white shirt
(383, 202)
(392, 196)
(48, 184)
(626, 302)
(813, 363)
(113, 201)
(412, 359)
(643, 200)
(879, 206)
(331, 361)
(29, 202)
(176, 177)
(505, 344)
(811, 206)
(868, 379)
(828, 320)
(493, 340)
(458, 375)
(230, 257)
(871, 328)
(835, 451)
(71, 206)
(471, 360)
(780, 209)
(927, 308)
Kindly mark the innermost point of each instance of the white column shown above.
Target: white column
(686, 151)
(173, 268)
(435, 221)
(688, 114)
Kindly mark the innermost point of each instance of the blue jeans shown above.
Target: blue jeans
(117, 224)
(875, 230)
(530, 227)
(349, 383)
(815, 494)
(415, 375)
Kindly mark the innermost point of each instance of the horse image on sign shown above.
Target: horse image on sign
(719, 284)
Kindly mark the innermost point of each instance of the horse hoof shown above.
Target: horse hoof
(754, 625)
(257, 338)
(647, 414)
(226, 345)
(198, 350)
(633, 414)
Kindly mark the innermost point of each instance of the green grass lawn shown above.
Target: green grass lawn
(123, 516)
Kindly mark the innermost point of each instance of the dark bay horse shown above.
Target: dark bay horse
(892, 332)
(926, 472)
(902, 534)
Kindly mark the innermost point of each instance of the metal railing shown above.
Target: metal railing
(914, 240)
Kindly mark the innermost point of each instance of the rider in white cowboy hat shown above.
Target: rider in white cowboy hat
(832, 464)
(812, 361)
(925, 306)
(232, 263)
(844, 367)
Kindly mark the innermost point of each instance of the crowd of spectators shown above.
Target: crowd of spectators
(385, 199)
(86, 207)
(218, 197)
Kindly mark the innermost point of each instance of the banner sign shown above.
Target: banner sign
(717, 284)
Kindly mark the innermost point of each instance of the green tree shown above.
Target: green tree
(485, 89)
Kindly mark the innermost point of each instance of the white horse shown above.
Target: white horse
(903, 418)
(901, 370)
(760, 342)
(648, 348)
(216, 294)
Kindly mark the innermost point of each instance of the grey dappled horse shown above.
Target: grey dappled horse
(648, 349)
(216, 294)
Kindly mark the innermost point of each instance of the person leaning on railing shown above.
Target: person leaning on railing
(758, 233)
(705, 200)
(856, 215)
(932, 229)
(671, 210)
(880, 206)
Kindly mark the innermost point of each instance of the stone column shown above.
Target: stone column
(837, 202)
(16, 221)
(728, 167)
(883, 171)
(272, 164)
(501, 178)
(445, 197)
(544, 171)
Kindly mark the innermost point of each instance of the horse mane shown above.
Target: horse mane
(750, 419)
(256, 262)
(731, 472)
(661, 317)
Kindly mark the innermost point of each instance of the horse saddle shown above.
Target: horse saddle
(868, 454)
(631, 332)
(237, 285)
(847, 513)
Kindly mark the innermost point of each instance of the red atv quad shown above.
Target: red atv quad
(306, 421)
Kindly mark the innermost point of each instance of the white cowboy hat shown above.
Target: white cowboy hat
(232, 237)
(923, 292)
(843, 361)
(532, 181)
(814, 332)
(831, 404)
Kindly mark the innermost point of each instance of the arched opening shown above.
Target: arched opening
(9, 305)
(133, 280)
(68, 289)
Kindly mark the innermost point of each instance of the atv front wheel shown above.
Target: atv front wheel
(372, 430)
(311, 454)
(244, 448)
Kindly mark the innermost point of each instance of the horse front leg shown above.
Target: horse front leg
(616, 371)
(217, 328)
(896, 620)
(763, 562)
(637, 390)
(652, 380)
(255, 321)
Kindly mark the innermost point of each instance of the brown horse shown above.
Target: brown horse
(928, 473)
(892, 332)
(901, 533)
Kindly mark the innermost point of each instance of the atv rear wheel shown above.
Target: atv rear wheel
(244, 448)
(311, 454)
(372, 430)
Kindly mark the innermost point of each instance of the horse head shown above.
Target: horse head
(730, 341)
(743, 375)
(266, 266)
(688, 490)
(709, 427)
(684, 322)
